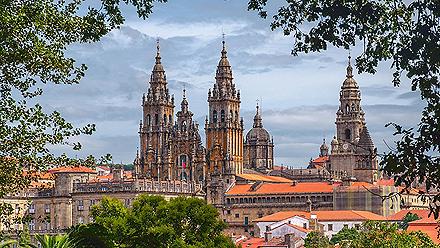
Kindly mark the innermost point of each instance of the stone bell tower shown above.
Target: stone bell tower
(353, 153)
(224, 130)
(155, 128)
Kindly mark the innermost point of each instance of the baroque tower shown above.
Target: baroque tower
(224, 131)
(353, 153)
(187, 151)
(258, 146)
(154, 130)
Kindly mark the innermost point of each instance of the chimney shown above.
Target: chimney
(313, 222)
(289, 240)
(294, 183)
(267, 236)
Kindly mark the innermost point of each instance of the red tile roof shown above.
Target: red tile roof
(276, 188)
(282, 215)
(320, 160)
(422, 213)
(426, 225)
(72, 169)
(324, 215)
(264, 178)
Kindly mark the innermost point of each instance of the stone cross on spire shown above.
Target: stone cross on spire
(349, 68)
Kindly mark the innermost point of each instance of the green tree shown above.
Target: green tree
(403, 32)
(316, 239)
(56, 241)
(34, 36)
(7, 243)
(408, 218)
(384, 234)
(343, 235)
(154, 222)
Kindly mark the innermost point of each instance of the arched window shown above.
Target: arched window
(347, 134)
(222, 116)
(148, 120)
(156, 119)
(231, 115)
(236, 115)
(347, 109)
(183, 126)
(170, 119)
(214, 116)
(164, 119)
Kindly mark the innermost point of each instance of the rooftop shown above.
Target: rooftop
(277, 188)
(324, 215)
(264, 178)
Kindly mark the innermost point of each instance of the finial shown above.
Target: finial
(224, 46)
(258, 107)
(349, 68)
(184, 91)
(158, 51)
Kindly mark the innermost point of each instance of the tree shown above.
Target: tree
(343, 235)
(316, 239)
(403, 32)
(56, 241)
(33, 41)
(408, 218)
(153, 222)
(383, 234)
(7, 243)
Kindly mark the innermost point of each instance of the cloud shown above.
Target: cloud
(300, 94)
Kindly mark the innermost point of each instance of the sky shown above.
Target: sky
(299, 96)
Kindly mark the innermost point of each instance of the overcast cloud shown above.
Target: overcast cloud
(299, 94)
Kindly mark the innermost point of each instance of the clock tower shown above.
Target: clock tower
(353, 153)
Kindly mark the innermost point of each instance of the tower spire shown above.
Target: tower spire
(349, 68)
(258, 122)
(157, 51)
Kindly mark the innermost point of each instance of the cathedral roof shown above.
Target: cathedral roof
(365, 140)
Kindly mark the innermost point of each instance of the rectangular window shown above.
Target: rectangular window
(32, 225)
(80, 205)
(357, 226)
(32, 209)
(92, 202)
(80, 220)
(228, 211)
(246, 220)
(17, 208)
(46, 208)
(330, 227)
(237, 215)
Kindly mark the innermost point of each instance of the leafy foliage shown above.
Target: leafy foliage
(403, 32)
(343, 235)
(408, 218)
(33, 40)
(316, 239)
(56, 241)
(153, 222)
(381, 234)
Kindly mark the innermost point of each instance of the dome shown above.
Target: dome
(334, 141)
(258, 134)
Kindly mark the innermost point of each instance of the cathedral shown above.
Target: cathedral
(171, 147)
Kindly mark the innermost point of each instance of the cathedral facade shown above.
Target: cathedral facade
(169, 149)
